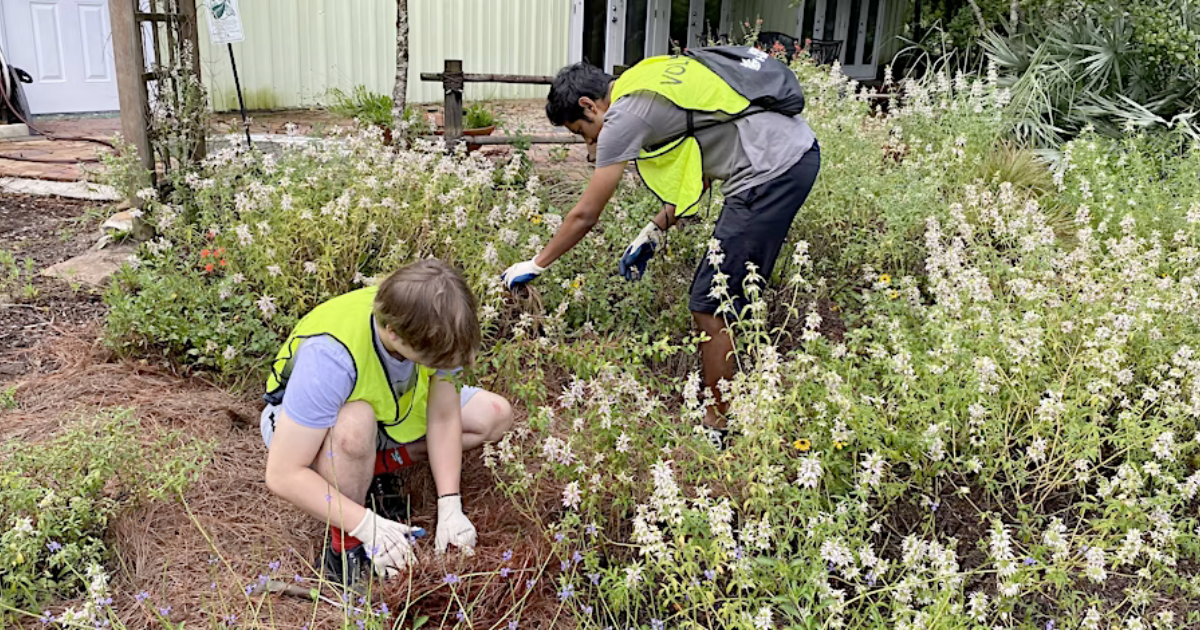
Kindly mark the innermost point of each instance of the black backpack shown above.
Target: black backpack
(762, 79)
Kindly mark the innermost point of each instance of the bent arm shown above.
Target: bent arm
(444, 434)
(584, 216)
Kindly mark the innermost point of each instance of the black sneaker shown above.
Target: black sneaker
(350, 569)
(389, 498)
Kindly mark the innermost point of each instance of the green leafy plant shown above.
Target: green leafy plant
(1110, 66)
(59, 497)
(479, 116)
(362, 105)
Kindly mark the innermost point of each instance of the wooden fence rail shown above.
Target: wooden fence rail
(453, 79)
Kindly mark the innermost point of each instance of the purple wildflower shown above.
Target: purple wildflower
(504, 571)
(594, 577)
(164, 611)
(577, 557)
(507, 557)
(274, 566)
(566, 593)
(450, 578)
(143, 596)
(54, 546)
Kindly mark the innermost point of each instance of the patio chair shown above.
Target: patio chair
(825, 51)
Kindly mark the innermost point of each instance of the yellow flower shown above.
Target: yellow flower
(893, 295)
(885, 279)
(576, 283)
(839, 445)
(802, 445)
(536, 219)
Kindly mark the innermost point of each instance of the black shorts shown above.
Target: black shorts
(752, 228)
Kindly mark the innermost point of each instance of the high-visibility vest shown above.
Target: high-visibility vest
(349, 320)
(721, 79)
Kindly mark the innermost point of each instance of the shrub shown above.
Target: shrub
(57, 499)
(1004, 441)
(368, 108)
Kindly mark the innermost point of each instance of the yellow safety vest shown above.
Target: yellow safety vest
(675, 172)
(349, 320)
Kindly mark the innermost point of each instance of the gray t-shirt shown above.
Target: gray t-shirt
(745, 153)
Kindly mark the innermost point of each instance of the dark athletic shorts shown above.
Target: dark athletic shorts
(752, 228)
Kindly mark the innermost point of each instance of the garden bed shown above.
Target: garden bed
(44, 230)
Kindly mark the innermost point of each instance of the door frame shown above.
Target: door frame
(658, 28)
(575, 38)
(842, 28)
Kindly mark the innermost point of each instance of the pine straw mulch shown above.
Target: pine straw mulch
(164, 548)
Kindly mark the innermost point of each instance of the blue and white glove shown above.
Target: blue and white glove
(521, 273)
(640, 251)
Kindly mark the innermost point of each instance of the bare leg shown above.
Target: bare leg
(716, 358)
(352, 444)
(486, 418)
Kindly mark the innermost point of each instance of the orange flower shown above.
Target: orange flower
(204, 253)
(220, 251)
(224, 262)
(208, 268)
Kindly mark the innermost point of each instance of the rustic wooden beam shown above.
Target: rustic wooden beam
(531, 79)
(143, 16)
(190, 28)
(562, 139)
(452, 83)
(131, 89)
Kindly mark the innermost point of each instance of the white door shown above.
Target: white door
(575, 55)
(66, 45)
(857, 24)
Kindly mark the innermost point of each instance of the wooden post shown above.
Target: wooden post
(131, 90)
(191, 35)
(452, 82)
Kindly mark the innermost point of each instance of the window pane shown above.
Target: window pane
(594, 31)
(872, 24)
(852, 32)
(635, 30)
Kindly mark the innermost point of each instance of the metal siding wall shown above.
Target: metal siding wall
(296, 50)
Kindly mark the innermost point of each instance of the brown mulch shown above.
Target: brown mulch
(47, 230)
(198, 555)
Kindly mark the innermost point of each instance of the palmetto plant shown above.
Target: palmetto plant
(1103, 67)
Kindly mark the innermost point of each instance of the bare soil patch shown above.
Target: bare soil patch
(46, 230)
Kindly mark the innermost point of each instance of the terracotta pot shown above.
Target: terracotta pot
(482, 131)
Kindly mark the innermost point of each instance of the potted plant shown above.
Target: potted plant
(479, 120)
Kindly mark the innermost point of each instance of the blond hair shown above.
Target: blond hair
(429, 306)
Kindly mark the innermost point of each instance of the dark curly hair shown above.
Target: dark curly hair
(571, 84)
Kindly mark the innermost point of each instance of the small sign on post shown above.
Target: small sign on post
(225, 22)
(225, 27)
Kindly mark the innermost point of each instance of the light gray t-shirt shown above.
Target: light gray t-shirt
(745, 153)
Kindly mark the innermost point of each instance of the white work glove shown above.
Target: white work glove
(453, 527)
(521, 273)
(387, 543)
(640, 251)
